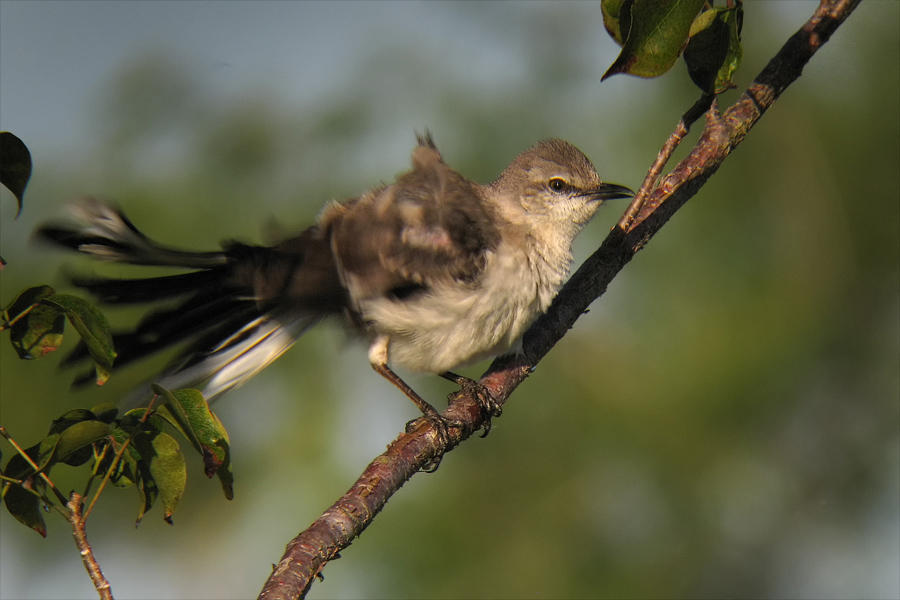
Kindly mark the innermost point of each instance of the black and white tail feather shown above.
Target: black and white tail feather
(229, 334)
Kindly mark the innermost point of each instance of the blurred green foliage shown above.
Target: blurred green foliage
(723, 423)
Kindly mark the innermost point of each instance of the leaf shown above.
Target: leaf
(26, 508)
(617, 18)
(33, 335)
(189, 412)
(69, 418)
(135, 465)
(15, 166)
(24, 302)
(656, 36)
(71, 439)
(226, 476)
(106, 412)
(93, 328)
(22, 504)
(162, 468)
(75, 446)
(38, 333)
(169, 472)
(126, 471)
(714, 52)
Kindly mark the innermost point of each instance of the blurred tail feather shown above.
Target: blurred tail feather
(229, 332)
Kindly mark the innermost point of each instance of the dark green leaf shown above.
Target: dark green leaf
(162, 464)
(106, 412)
(24, 302)
(126, 471)
(38, 333)
(226, 477)
(147, 489)
(93, 328)
(22, 504)
(75, 443)
(70, 417)
(132, 421)
(26, 508)
(714, 52)
(15, 166)
(657, 34)
(617, 18)
(46, 447)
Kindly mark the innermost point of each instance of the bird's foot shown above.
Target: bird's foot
(441, 426)
(486, 402)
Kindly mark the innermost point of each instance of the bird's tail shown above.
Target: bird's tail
(228, 335)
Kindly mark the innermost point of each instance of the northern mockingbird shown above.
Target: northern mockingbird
(434, 271)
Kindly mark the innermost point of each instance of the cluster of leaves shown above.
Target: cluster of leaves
(131, 449)
(36, 317)
(36, 320)
(654, 33)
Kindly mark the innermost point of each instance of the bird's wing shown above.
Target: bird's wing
(429, 227)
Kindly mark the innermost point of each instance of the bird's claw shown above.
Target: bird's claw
(442, 427)
(489, 406)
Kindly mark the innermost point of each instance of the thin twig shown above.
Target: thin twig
(649, 183)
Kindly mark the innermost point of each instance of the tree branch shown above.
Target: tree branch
(77, 521)
(307, 554)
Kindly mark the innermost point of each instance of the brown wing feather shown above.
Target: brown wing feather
(430, 226)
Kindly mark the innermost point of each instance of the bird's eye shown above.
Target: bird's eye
(557, 184)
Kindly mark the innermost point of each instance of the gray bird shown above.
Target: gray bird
(433, 271)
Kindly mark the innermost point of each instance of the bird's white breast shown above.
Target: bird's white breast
(457, 324)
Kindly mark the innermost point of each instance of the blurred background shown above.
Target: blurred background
(725, 422)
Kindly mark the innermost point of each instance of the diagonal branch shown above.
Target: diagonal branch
(308, 553)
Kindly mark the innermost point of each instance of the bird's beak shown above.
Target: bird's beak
(610, 191)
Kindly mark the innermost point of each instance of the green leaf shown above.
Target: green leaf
(38, 333)
(71, 439)
(135, 469)
(26, 508)
(75, 446)
(70, 417)
(24, 302)
(189, 412)
(126, 470)
(93, 328)
(22, 504)
(135, 465)
(656, 36)
(617, 18)
(106, 412)
(163, 468)
(714, 52)
(169, 472)
(15, 166)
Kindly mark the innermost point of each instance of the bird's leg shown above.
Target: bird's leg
(378, 359)
(482, 396)
(441, 425)
(428, 410)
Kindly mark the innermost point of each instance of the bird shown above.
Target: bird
(433, 271)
